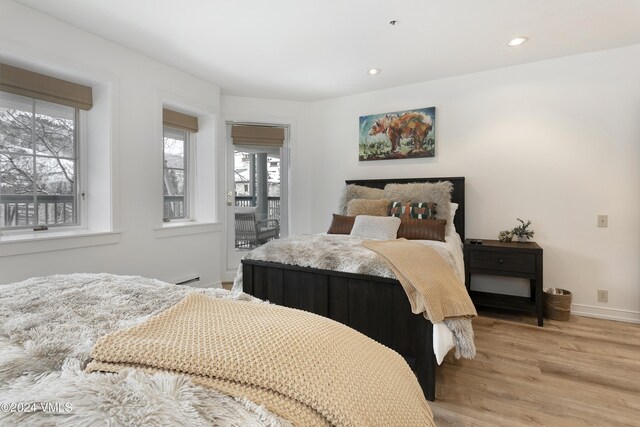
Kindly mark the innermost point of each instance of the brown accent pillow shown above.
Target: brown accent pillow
(422, 229)
(341, 224)
(371, 207)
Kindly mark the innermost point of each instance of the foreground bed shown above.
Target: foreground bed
(376, 306)
(51, 327)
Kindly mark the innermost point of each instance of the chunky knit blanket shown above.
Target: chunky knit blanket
(306, 368)
(428, 280)
(48, 326)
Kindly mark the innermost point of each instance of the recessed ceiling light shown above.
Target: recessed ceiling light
(373, 71)
(518, 41)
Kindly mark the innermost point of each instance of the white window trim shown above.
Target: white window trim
(34, 242)
(185, 228)
(81, 174)
(202, 166)
(103, 228)
(26, 241)
(81, 170)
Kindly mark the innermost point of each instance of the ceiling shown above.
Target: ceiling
(311, 50)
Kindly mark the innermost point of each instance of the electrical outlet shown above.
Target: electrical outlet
(603, 295)
(603, 220)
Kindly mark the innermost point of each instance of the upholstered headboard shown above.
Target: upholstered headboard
(456, 197)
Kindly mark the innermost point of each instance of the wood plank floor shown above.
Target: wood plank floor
(583, 372)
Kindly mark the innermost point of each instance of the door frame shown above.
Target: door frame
(231, 257)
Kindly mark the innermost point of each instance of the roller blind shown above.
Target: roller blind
(257, 135)
(179, 120)
(27, 83)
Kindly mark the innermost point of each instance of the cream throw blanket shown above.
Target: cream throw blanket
(429, 281)
(305, 368)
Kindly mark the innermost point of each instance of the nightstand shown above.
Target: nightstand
(513, 259)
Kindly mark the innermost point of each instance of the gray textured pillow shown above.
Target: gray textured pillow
(372, 207)
(353, 191)
(437, 192)
(376, 227)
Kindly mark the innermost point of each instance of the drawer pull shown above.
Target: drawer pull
(501, 261)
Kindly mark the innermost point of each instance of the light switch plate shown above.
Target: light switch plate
(603, 295)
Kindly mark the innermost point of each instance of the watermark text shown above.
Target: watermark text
(24, 407)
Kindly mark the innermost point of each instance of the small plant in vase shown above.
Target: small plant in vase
(522, 231)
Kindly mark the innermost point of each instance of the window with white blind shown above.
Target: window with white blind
(38, 163)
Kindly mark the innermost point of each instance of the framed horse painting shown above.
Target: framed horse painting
(398, 135)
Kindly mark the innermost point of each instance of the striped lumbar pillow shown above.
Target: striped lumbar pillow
(423, 210)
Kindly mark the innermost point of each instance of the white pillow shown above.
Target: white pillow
(442, 341)
(454, 208)
(376, 227)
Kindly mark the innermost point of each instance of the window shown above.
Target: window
(38, 163)
(175, 173)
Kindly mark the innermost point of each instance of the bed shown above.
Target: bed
(376, 306)
(56, 335)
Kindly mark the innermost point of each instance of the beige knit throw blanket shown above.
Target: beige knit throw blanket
(429, 281)
(303, 367)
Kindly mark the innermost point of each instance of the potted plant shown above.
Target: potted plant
(522, 231)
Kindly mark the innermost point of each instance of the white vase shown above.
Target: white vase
(523, 239)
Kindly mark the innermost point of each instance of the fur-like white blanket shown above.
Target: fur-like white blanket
(333, 252)
(48, 325)
(346, 254)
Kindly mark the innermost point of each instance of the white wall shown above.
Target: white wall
(139, 87)
(557, 142)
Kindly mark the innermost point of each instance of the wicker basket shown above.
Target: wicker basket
(557, 304)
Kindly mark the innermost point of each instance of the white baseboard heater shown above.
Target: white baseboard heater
(191, 281)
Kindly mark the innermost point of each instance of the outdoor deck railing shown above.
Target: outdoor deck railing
(20, 210)
(273, 205)
(174, 207)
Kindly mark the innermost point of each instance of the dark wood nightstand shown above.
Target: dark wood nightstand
(511, 259)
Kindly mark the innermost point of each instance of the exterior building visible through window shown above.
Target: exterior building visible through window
(175, 173)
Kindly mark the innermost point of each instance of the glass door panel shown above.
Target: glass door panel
(257, 216)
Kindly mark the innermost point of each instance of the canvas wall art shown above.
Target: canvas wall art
(398, 135)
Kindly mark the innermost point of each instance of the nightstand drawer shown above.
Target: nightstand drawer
(520, 263)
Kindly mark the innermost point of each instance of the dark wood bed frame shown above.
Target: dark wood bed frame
(376, 306)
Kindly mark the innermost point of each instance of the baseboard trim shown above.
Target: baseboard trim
(616, 314)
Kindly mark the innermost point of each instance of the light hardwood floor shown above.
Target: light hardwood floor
(583, 372)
